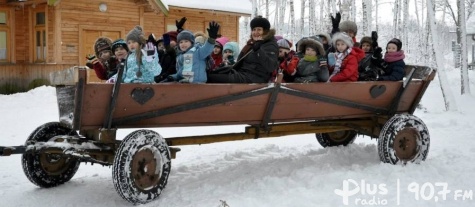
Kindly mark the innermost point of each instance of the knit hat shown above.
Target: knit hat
(102, 44)
(221, 41)
(348, 25)
(173, 35)
(260, 21)
(119, 43)
(200, 37)
(317, 46)
(136, 34)
(233, 46)
(283, 43)
(186, 35)
(343, 37)
(278, 37)
(397, 42)
(366, 39)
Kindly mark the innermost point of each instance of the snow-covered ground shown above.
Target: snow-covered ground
(287, 171)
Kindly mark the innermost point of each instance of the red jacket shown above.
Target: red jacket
(218, 59)
(349, 67)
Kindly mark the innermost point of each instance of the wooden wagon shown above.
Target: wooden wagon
(91, 113)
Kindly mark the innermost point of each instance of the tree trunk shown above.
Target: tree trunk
(395, 17)
(450, 104)
(311, 17)
(283, 7)
(267, 8)
(465, 87)
(376, 17)
(292, 21)
(302, 17)
(345, 10)
(255, 10)
(367, 17)
(276, 15)
(405, 39)
(353, 11)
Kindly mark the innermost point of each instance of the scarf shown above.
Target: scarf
(310, 58)
(339, 57)
(390, 57)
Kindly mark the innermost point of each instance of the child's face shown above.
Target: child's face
(184, 45)
(366, 47)
(310, 51)
(105, 55)
(283, 52)
(133, 45)
(227, 53)
(161, 46)
(341, 46)
(391, 48)
(217, 50)
(120, 53)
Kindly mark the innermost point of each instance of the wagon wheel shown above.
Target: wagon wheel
(404, 138)
(141, 166)
(338, 138)
(45, 169)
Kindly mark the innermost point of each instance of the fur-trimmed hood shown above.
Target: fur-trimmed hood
(200, 37)
(326, 35)
(317, 46)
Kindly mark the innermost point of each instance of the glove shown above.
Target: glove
(213, 30)
(323, 61)
(336, 20)
(378, 53)
(374, 38)
(179, 24)
(257, 45)
(331, 59)
(166, 39)
(91, 60)
(151, 38)
(149, 51)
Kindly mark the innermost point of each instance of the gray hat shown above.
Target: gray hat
(348, 25)
(283, 43)
(136, 34)
(343, 37)
(186, 35)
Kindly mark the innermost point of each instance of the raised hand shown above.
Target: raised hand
(336, 20)
(179, 24)
(374, 38)
(149, 51)
(213, 30)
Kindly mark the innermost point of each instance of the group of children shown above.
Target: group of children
(181, 56)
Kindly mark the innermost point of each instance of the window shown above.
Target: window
(4, 30)
(40, 37)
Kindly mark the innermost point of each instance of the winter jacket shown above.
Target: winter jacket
(217, 59)
(148, 69)
(349, 66)
(393, 71)
(199, 54)
(106, 70)
(258, 66)
(167, 62)
(310, 71)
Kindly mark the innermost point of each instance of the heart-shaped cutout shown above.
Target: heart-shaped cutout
(377, 90)
(142, 95)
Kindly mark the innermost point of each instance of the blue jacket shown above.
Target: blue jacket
(199, 53)
(149, 69)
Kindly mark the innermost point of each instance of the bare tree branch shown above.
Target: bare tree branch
(452, 12)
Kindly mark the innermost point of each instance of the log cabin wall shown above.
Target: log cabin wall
(70, 28)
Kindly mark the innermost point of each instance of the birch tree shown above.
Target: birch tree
(254, 9)
(450, 104)
(395, 17)
(376, 13)
(345, 9)
(367, 17)
(302, 16)
(292, 20)
(311, 17)
(282, 10)
(267, 8)
(276, 15)
(405, 23)
(465, 87)
(353, 10)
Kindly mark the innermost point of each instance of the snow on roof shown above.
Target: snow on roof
(237, 6)
(470, 25)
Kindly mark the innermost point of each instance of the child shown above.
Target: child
(287, 61)
(142, 62)
(230, 51)
(325, 40)
(367, 71)
(346, 59)
(167, 56)
(120, 49)
(104, 64)
(312, 67)
(217, 54)
(191, 60)
(393, 64)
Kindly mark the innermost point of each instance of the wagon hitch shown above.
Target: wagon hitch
(7, 151)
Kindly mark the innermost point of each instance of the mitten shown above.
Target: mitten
(323, 61)
(179, 24)
(213, 30)
(336, 21)
(256, 45)
(151, 38)
(331, 59)
(378, 53)
(374, 38)
(166, 39)
(149, 51)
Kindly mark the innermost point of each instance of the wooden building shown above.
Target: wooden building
(41, 36)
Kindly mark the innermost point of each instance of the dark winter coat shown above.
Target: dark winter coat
(253, 66)
(167, 60)
(367, 70)
(393, 71)
(310, 71)
(107, 69)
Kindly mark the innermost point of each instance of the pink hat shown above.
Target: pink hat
(222, 41)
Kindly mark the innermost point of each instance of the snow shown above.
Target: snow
(286, 171)
(237, 6)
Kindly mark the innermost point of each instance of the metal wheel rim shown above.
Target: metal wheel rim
(53, 164)
(144, 167)
(339, 136)
(405, 144)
